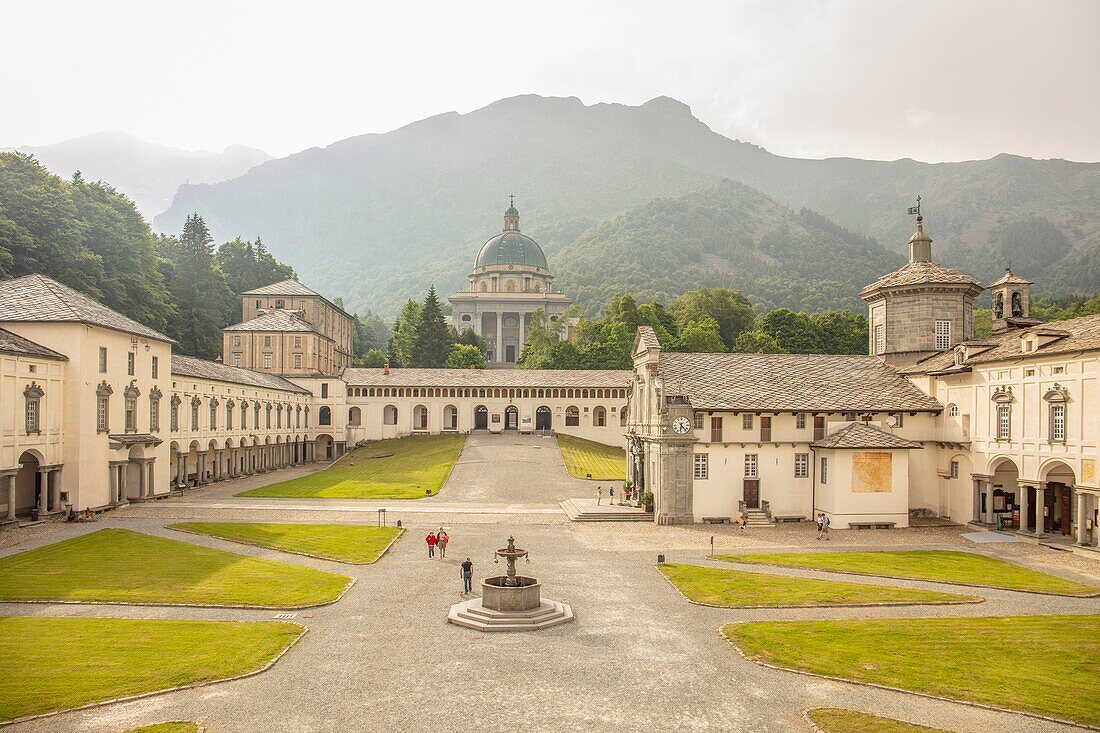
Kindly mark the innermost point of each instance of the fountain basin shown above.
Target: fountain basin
(525, 595)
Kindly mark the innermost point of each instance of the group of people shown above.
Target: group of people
(626, 494)
(823, 523)
(439, 541)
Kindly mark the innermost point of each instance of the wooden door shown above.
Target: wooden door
(819, 428)
(752, 493)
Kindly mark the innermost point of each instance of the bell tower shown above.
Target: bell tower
(1011, 302)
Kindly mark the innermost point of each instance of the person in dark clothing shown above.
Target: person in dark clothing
(467, 571)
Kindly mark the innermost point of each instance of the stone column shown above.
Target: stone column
(1082, 519)
(122, 479)
(9, 479)
(1040, 505)
(142, 486)
(55, 488)
(977, 513)
(987, 486)
(150, 480)
(522, 334)
(43, 491)
(500, 337)
(1022, 489)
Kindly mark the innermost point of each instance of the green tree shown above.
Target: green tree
(797, 333)
(540, 341)
(373, 358)
(757, 342)
(842, 332)
(472, 339)
(432, 339)
(464, 356)
(660, 320)
(729, 308)
(701, 337)
(404, 331)
(198, 289)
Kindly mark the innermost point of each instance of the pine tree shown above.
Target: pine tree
(198, 289)
(432, 339)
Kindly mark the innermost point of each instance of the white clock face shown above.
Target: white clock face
(681, 425)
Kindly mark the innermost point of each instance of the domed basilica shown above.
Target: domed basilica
(510, 281)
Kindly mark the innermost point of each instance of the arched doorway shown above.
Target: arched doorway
(1058, 480)
(1003, 495)
(544, 418)
(511, 418)
(599, 417)
(450, 417)
(325, 448)
(481, 417)
(29, 483)
(420, 417)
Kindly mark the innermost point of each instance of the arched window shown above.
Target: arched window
(324, 417)
(450, 417)
(389, 415)
(572, 417)
(599, 417)
(354, 416)
(952, 410)
(420, 417)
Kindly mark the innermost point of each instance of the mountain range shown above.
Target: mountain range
(377, 218)
(146, 172)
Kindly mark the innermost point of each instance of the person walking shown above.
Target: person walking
(741, 522)
(467, 572)
(820, 520)
(825, 526)
(431, 539)
(611, 495)
(442, 538)
(599, 495)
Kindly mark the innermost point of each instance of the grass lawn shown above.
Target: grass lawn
(120, 566)
(946, 566)
(174, 727)
(419, 463)
(49, 664)
(835, 720)
(583, 457)
(740, 589)
(1039, 664)
(350, 543)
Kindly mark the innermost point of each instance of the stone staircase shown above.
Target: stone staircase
(473, 615)
(586, 510)
(757, 518)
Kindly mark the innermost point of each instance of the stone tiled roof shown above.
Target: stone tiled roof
(861, 435)
(11, 343)
(1077, 334)
(647, 338)
(358, 377)
(283, 287)
(920, 273)
(791, 382)
(189, 366)
(287, 321)
(136, 439)
(38, 298)
(1011, 278)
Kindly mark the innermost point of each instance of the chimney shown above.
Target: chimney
(473, 366)
(386, 369)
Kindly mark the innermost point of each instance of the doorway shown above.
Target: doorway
(511, 418)
(481, 417)
(544, 419)
(752, 493)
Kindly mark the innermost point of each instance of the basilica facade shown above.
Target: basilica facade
(509, 282)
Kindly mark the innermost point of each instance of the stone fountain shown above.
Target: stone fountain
(510, 602)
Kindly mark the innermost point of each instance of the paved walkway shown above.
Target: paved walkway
(638, 657)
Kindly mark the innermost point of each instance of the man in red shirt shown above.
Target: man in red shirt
(431, 540)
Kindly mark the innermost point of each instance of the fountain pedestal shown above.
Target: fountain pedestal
(510, 602)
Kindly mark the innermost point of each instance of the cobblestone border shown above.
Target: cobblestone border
(400, 533)
(924, 580)
(240, 607)
(926, 695)
(166, 690)
(976, 599)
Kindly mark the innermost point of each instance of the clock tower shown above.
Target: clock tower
(673, 493)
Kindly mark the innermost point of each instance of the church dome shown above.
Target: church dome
(511, 247)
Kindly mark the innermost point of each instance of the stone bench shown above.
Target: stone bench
(789, 518)
(716, 520)
(871, 525)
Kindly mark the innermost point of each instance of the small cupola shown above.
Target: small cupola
(511, 215)
(1011, 302)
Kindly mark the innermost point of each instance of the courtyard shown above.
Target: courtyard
(638, 657)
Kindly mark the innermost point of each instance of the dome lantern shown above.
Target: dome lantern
(511, 215)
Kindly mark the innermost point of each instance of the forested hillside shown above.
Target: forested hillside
(380, 217)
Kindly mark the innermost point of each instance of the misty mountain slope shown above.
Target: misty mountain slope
(377, 218)
(146, 172)
(728, 235)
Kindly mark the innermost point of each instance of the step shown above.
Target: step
(546, 609)
(578, 514)
(472, 615)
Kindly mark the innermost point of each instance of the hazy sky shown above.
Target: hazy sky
(929, 79)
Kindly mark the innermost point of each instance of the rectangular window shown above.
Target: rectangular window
(213, 415)
(746, 421)
(943, 335)
(824, 470)
(765, 429)
(1004, 422)
(229, 417)
(131, 415)
(102, 414)
(324, 389)
(750, 465)
(156, 368)
(154, 415)
(701, 465)
(267, 341)
(267, 361)
(800, 421)
(819, 428)
(801, 465)
(716, 430)
(244, 417)
(194, 416)
(1058, 423)
(237, 342)
(236, 358)
(280, 304)
(953, 470)
(297, 361)
(174, 418)
(698, 422)
(880, 339)
(130, 363)
(102, 359)
(899, 420)
(32, 414)
(297, 342)
(1059, 370)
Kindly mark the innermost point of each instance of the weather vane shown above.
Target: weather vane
(916, 209)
